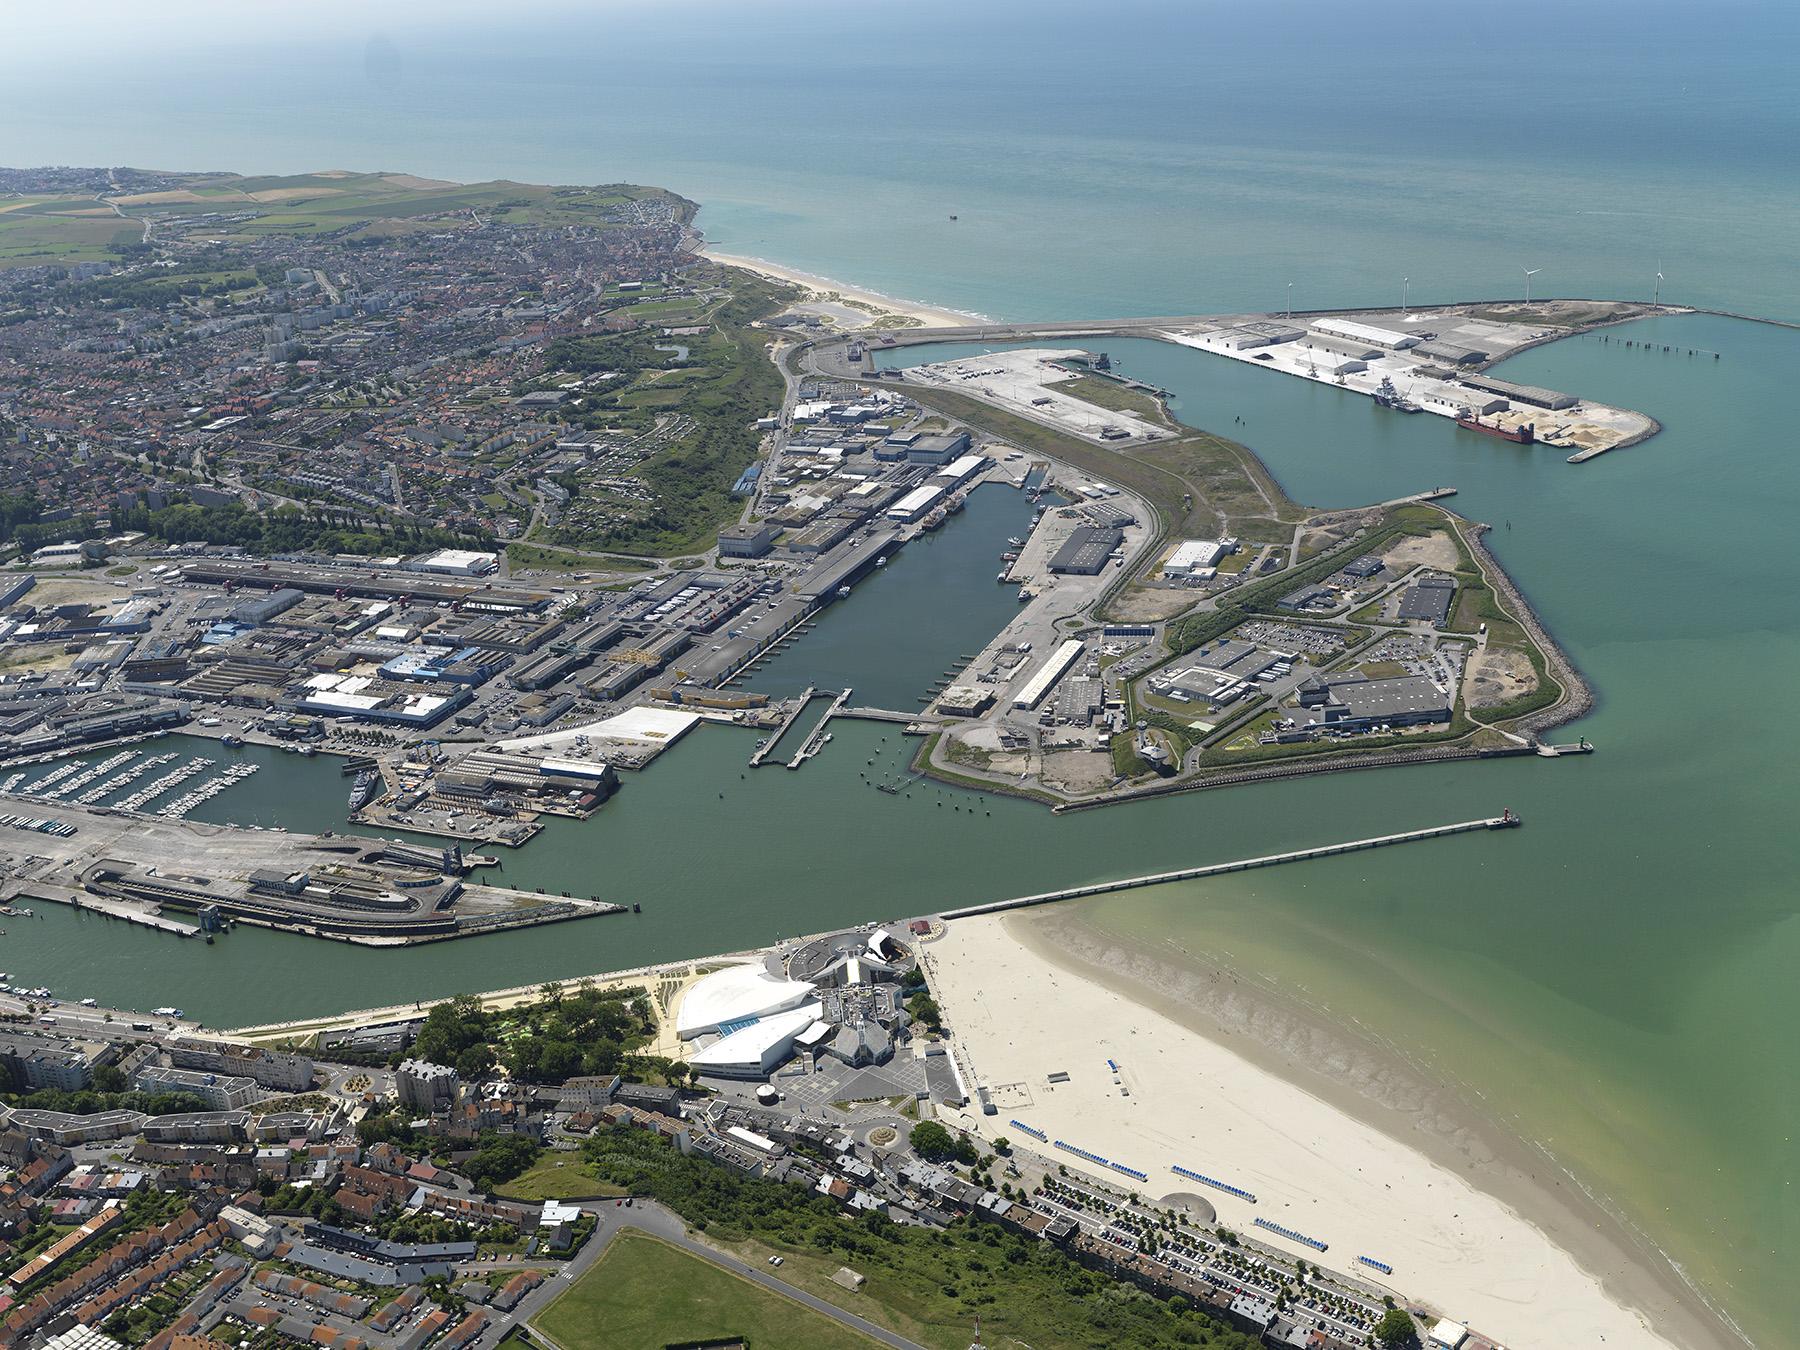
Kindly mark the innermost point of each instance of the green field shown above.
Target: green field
(556, 1176)
(40, 229)
(644, 1294)
(1105, 393)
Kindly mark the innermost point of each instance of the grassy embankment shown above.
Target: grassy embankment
(726, 382)
(927, 1285)
(645, 1294)
(1230, 490)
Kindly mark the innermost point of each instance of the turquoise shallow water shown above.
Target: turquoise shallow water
(1617, 977)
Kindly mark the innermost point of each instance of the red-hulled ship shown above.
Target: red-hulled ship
(1525, 435)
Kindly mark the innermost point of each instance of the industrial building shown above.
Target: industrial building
(491, 773)
(1428, 599)
(1261, 333)
(1521, 393)
(1086, 551)
(915, 503)
(1048, 674)
(957, 473)
(1390, 338)
(1325, 361)
(745, 541)
(1356, 703)
(456, 562)
(940, 449)
(1195, 555)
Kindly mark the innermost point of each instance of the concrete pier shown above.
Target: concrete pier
(112, 909)
(1500, 822)
(762, 751)
(816, 741)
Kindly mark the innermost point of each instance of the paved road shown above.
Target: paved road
(651, 1218)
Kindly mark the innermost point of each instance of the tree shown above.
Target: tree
(474, 1062)
(1395, 1330)
(925, 1010)
(932, 1142)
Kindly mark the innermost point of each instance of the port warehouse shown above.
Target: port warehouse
(1521, 393)
(1048, 674)
(1086, 550)
(1345, 346)
(380, 584)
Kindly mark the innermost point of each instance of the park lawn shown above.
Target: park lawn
(556, 1176)
(644, 1294)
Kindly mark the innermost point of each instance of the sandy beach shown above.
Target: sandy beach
(854, 298)
(1336, 1140)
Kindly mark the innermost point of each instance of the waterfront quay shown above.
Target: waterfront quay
(367, 891)
(1431, 359)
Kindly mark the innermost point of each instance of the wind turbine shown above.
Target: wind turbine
(1530, 272)
(1405, 292)
(1657, 298)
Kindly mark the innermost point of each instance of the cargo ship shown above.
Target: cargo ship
(1525, 435)
(363, 790)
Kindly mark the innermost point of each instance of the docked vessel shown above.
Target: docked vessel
(1387, 396)
(231, 741)
(363, 790)
(1525, 435)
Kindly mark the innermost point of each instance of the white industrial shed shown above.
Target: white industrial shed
(1391, 338)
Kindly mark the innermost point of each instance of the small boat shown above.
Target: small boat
(881, 562)
(843, 592)
(953, 217)
(1016, 542)
(308, 751)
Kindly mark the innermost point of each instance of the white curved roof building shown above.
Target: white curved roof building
(734, 994)
(754, 1051)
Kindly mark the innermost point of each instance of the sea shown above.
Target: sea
(1616, 980)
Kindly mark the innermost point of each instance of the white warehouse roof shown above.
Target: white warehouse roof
(1194, 553)
(915, 503)
(734, 993)
(1364, 332)
(1048, 674)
